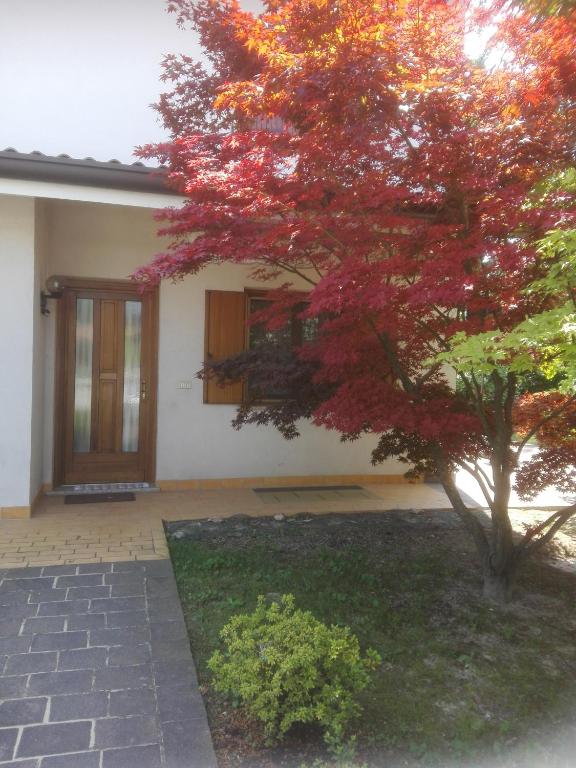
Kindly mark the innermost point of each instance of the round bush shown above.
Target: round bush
(286, 667)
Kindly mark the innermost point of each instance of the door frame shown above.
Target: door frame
(62, 363)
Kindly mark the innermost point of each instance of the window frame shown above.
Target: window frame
(236, 393)
(296, 328)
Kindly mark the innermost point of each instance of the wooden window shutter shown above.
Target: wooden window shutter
(225, 336)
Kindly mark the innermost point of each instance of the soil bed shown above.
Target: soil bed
(462, 682)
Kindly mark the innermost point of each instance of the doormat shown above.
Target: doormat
(97, 498)
(302, 494)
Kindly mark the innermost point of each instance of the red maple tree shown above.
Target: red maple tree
(351, 148)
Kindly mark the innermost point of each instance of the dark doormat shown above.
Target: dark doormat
(304, 488)
(97, 498)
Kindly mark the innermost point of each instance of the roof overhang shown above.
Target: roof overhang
(113, 174)
(63, 177)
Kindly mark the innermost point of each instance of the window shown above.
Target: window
(229, 333)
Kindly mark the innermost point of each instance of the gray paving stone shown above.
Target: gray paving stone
(124, 578)
(87, 621)
(13, 687)
(124, 636)
(168, 630)
(137, 701)
(164, 610)
(125, 675)
(20, 597)
(171, 650)
(53, 683)
(83, 658)
(95, 568)
(132, 757)
(27, 572)
(25, 663)
(129, 567)
(126, 731)
(179, 703)
(158, 568)
(31, 583)
(187, 743)
(159, 587)
(45, 624)
(22, 711)
(63, 608)
(79, 706)
(60, 641)
(10, 628)
(108, 604)
(20, 611)
(8, 738)
(80, 580)
(89, 593)
(127, 590)
(54, 739)
(127, 655)
(59, 570)
(174, 672)
(47, 596)
(127, 619)
(10, 645)
(77, 760)
(116, 678)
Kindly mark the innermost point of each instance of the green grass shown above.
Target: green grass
(457, 675)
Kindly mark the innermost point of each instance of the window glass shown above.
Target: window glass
(296, 332)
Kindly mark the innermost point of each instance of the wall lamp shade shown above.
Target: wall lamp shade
(54, 289)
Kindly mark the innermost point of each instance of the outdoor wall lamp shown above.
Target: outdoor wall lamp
(54, 287)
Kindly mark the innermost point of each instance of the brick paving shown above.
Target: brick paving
(61, 534)
(96, 670)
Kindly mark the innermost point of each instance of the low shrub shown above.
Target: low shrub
(285, 667)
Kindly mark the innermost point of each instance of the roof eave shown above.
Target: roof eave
(91, 173)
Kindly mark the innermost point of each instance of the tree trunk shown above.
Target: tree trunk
(498, 587)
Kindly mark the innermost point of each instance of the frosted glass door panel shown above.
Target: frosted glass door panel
(83, 375)
(132, 346)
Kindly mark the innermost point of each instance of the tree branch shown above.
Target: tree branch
(471, 522)
(528, 545)
(477, 474)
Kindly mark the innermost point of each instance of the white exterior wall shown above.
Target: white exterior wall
(38, 355)
(195, 441)
(17, 309)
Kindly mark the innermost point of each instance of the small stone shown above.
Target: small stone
(178, 535)
(279, 517)
(215, 520)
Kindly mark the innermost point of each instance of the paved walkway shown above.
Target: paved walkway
(61, 534)
(96, 670)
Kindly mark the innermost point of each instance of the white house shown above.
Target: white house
(103, 389)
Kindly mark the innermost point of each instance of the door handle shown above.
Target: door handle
(143, 390)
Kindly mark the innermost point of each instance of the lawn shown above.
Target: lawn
(459, 678)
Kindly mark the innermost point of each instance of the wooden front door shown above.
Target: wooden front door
(105, 383)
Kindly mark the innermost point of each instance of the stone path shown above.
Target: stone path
(61, 534)
(96, 670)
